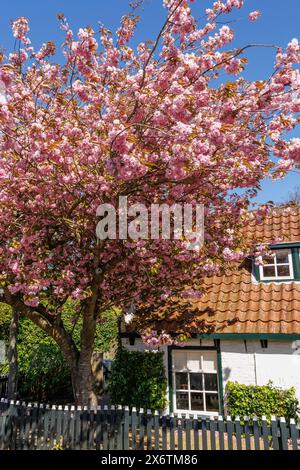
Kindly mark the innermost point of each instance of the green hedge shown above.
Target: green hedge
(5, 317)
(138, 379)
(258, 400)
(43, 372)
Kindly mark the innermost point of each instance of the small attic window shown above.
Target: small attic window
(277, 265)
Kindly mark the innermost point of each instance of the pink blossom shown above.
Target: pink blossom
(254, 15)
(20, 28)
(293, 46)
(230, 255)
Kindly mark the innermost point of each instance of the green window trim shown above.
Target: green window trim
(219, 371)
(295, 251)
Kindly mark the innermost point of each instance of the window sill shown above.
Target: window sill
(202, 414)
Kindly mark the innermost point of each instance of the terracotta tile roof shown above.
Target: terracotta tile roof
(235, 303)
(284, 223)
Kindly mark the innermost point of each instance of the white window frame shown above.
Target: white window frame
(189, 390)
(275, 264)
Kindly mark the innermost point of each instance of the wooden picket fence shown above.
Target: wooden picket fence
(3, 386)
(25, 426)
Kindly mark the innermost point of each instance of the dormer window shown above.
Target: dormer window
(277, 266)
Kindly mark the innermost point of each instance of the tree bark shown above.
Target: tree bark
(13, 356)
(97, 370)
(83, 384)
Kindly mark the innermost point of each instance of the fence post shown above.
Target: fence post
(229, 427)
(142, 426)
(78, 426)
(204, 433)
(188, 428)
(46, 426)
(294, 434)
(274, 430)
(27, 415)
(179, 426)
(238, 433)
(111, 431)
(283, 440)
(40, 425)
(265, 432)
(196, 432)
(34, 425)
(133, 427)
(119, 413)
(156, 430)
(149, 429)
(212, 425)
(247, 433)
(66, 434)
(105, 427)
(52, 427)
(256, 433)
(98, 436)
(164, 430)
(126, 428)
(221, 431)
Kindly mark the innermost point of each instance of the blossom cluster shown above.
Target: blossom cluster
(153, 339)
(152, 123)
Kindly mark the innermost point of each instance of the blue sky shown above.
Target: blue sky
(279, 23)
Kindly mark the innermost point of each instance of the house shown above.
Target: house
(246, 328)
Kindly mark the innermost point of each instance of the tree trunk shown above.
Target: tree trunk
(83, 385)
(13, 356)
(83, 365)
(97, 370)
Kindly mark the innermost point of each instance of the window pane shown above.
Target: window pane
(269, 259)
(283, 271)
(182, 400)
(269, 271)
(194, 361)
(180, 360)
(197, 401)
(196, 381)
(282, 257)
(182, 381)
(212, 402)
(209, 361)
(211, 382)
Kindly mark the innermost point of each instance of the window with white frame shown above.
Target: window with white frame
(277, 265)
(195, 381)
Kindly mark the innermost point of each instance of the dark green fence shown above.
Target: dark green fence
(3, 386)
(25, 426)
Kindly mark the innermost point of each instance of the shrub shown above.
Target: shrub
(138, 379)
(258, 400)
(5, 317)
(43, 372)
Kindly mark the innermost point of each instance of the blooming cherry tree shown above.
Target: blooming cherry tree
(152, 123)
